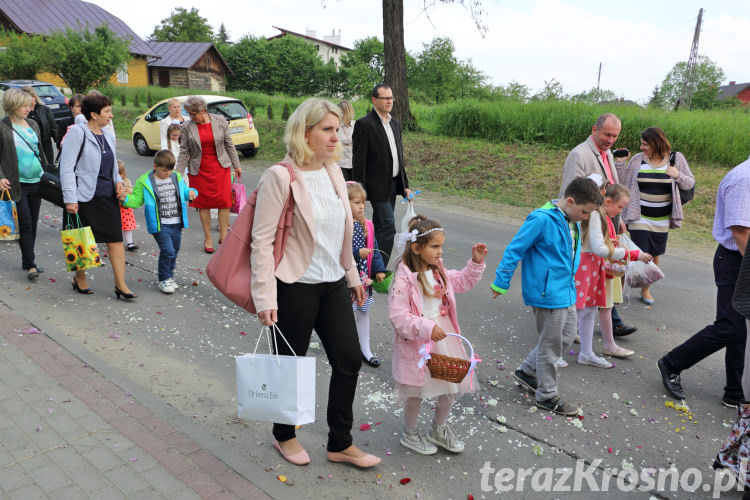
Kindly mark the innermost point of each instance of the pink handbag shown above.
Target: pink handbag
(239, 197)
(229, 269)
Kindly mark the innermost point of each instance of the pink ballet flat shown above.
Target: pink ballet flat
(361, 462)
(300, 458)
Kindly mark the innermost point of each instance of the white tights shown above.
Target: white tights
(127, 236)
(586, 320)
(362, 318)
(442, 410)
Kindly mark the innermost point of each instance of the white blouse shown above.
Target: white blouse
(595, 243)
(329, 219)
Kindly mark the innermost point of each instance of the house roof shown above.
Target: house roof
(43, 17)
(182, 54)
(727, 91)
(318, 40)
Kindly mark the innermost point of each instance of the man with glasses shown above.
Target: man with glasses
(378, 164)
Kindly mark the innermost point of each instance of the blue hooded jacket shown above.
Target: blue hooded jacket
(545, 246)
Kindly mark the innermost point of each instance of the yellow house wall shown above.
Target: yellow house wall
(137, 75)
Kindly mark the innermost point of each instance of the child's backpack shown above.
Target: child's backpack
(229, 269)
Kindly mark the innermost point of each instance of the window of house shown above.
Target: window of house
(122, 74)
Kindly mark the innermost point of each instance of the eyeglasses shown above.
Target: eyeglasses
(384, 98)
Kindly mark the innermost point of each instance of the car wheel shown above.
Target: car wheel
(249, 153)
(141, 146)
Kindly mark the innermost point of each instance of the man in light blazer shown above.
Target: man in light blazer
(594, 156)
(378, 164)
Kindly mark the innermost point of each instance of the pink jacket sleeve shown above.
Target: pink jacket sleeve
(273, 191)
(467, 278)
(405, 322)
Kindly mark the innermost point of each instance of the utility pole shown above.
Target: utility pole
(598, 80)
(688, 85)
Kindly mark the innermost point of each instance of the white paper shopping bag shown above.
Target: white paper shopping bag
(273, 388)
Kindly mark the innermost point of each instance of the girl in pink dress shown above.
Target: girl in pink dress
(126, 214)
(422, 308)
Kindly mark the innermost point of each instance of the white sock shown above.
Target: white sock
(362, 319)
(586, 318)
(128, 237)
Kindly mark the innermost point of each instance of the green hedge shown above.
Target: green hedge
(719, 137)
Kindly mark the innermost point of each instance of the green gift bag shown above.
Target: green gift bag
(8, 218)
(79, 246)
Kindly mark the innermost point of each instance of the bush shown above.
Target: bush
(122, 100)
(149, 101)
(269, 111)
(285, 112)
(720, 137)
(251, 109)
(136, 104)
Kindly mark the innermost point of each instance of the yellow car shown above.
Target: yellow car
(145, 131)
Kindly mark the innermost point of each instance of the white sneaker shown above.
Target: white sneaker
(166, 287)
(416, 441)
(561, 363)
(172, 282)
(593, 360)
(445, 437)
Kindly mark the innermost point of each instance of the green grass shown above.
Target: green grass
(512, 166)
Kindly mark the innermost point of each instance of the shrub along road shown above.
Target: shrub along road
(180, 348)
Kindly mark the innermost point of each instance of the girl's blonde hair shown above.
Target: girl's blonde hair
(355, 190)
(426, 229)
(347, 112)
(121, 169)
(305, 117)
(614, 192)
(171, 129)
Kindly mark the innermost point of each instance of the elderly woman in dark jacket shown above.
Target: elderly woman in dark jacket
(207, 151)
(21, 162)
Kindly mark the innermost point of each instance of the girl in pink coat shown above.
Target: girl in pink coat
(422, 308)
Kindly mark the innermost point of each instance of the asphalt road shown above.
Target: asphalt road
(180, 348)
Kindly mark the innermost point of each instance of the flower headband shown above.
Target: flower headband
(411, 236)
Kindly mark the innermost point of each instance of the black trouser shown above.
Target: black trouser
(28, 216)
(384, 223)
(728, 331)
(348, 174)
(327, 307)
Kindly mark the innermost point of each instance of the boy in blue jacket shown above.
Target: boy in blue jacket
(549, 244)
(166, 198)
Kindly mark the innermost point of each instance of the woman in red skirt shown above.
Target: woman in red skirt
(207, 151)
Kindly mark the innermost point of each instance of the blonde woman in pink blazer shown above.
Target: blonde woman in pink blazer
(314, 283)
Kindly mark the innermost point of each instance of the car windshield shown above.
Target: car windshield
(47, 91)
(231, 110)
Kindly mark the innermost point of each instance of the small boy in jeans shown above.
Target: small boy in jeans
(549, 244)
(166, 198)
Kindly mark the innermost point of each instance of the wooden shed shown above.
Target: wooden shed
(197, 65)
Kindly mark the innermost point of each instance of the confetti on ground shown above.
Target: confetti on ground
(405, 480)
(281, 478)
(31, 331)
(365, 427)
(538, 451)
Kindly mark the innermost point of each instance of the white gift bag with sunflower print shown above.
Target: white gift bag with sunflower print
(79, 246)
(8, 218)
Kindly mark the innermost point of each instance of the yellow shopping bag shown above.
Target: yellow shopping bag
(79, 246)
(8, 218)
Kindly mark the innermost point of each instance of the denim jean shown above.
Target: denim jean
(384, 223)
(28, 216)
(168, 239)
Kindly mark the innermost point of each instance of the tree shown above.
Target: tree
(594, 95)
(363, 67)
(22, 57)
(514, 91)
(395, 52)
(183, 26)
(439, 75)
(222, 36)
(656, 100)
(707, 78)
(84, 58)
(286, 65)
(552, 91)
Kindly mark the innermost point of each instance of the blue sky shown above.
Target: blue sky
(531, 42)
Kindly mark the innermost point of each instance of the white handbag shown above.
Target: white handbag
(275, 388)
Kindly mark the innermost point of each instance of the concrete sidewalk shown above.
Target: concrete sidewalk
(67, 431)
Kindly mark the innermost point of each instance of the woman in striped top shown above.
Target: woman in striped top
(654, 185)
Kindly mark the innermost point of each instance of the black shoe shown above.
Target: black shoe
(122, 295)
(373, 361)
(85, 291)
(528, 382)
(731, 402)
(557, 405)
(132, 247)
(671, 381)
(32, 273)
(622, 330)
